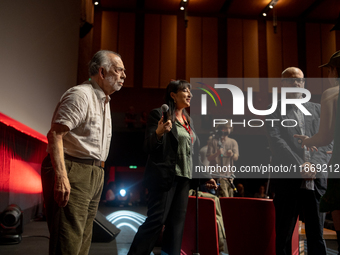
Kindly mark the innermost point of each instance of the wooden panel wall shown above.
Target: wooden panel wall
(318, 53)
(274, 50)
(194, 48)
(282, 50)
(251, 54)
(152, 47)
(109, 31)
(126, 44)
(234, 48)
(118, 35)
(313, 53)
(243, 51)
(328, 47)
(289, 45)
(209, 47)
(168, 49)
(202, 48)
(160, 46)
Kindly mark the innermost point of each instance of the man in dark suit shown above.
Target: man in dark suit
(300, 190)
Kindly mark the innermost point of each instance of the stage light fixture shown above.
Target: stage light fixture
(269, 7)
(122, 192)
(11, 225)
(183, 4)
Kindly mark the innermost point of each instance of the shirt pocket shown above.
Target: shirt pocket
(96, 124)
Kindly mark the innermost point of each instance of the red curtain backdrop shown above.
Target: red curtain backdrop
(22, 150)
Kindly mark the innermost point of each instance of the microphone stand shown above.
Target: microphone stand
(197, 252)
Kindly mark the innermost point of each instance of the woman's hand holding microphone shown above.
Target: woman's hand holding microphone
(163, 128)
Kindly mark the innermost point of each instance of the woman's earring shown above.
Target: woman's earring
(175, 101)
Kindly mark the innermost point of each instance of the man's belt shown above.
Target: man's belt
(92, 162)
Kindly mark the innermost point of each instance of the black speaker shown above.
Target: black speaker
(103, 230)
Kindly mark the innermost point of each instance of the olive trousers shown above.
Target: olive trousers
(70, 227)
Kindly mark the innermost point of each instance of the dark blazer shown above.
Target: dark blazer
(160, 167)
(286, 149)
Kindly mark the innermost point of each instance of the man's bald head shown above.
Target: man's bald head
(292, 72)
(293, 77)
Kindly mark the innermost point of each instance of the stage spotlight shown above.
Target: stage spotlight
(123, 196)
(122, 192)
(11, 225)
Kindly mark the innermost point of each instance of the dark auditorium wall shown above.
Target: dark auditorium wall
(156, 47)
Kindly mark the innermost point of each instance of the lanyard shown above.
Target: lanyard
(187, 127)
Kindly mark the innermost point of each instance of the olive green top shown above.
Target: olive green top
(184, 159)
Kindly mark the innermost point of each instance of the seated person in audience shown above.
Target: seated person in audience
(110, 195)
(261, 193)
(240, 190)
(143, 119)
(219, 218)
(130, 117)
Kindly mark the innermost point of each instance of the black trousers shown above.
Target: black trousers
(287, 209)
(164, 208)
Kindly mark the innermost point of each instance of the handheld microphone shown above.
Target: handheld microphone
(232, 183)
(165, 109)
(233, 186)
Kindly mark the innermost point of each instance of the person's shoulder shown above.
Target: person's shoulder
(82, 88)
(78, 92)
(233, 140)
(312, 106)
(330, 94)
(156, 110)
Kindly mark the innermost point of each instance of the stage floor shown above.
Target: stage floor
(35, 236)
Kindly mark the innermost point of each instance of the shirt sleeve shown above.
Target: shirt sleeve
(71, 110)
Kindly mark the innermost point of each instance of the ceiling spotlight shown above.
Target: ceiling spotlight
(182, 8)
(269, 7)
(96, 3)
(185, 1)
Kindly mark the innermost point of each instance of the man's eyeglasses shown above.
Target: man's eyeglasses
(293, 80)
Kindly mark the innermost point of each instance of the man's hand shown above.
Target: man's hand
(230, 153)
(308, 171)
(305, 141)
(211, 184)
(221, 151)
(62, 190)
(62, 187)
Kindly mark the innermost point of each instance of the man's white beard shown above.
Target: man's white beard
(114, 84)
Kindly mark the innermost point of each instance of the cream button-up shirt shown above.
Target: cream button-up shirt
(85, 109)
